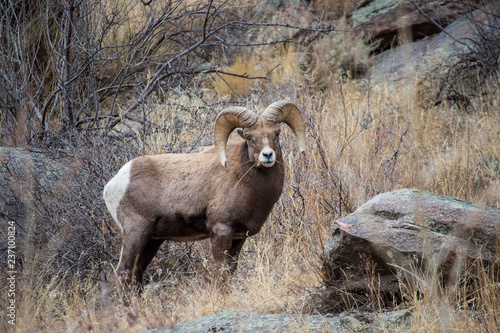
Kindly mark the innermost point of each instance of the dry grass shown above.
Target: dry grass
(335, 9)
(264, 68)
(342, 53)
(360, 144)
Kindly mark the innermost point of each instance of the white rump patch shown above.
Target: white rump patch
(115, 190)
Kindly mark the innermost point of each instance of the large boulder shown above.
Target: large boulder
(53, 199)
(409, 233)
(384, 20)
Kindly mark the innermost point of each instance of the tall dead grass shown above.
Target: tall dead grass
(255, 72)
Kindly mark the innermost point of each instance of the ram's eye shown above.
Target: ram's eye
(249, 138)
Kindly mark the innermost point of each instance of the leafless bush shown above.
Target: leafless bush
(472, 73)
(78, 64)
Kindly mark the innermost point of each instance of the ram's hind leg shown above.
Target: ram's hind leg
(136, 249)
(145, 258)
(134, 261)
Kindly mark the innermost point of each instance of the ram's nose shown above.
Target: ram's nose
(267, 157)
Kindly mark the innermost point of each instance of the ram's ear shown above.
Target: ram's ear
(240, 132)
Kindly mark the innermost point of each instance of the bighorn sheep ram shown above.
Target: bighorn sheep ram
(190, 197)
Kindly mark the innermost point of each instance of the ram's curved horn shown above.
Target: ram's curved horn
(288, 113)
(226, 122)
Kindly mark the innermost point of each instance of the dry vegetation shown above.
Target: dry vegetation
(361, 142)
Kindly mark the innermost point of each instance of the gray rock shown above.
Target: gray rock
(384, 20)
(402, 66)
(368, 10)
(247, 322)
(53, 199)
(23, 172)
(409, 231)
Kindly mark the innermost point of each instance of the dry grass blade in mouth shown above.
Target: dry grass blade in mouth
(255, 165)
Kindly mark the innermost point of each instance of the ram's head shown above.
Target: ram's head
(260, 132)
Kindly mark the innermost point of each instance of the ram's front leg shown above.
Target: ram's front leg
(221, 239)
(234, 254)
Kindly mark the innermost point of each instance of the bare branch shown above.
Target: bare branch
(414, 3)
(84, 54)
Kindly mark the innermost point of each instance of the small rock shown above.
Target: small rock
(246, 322)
